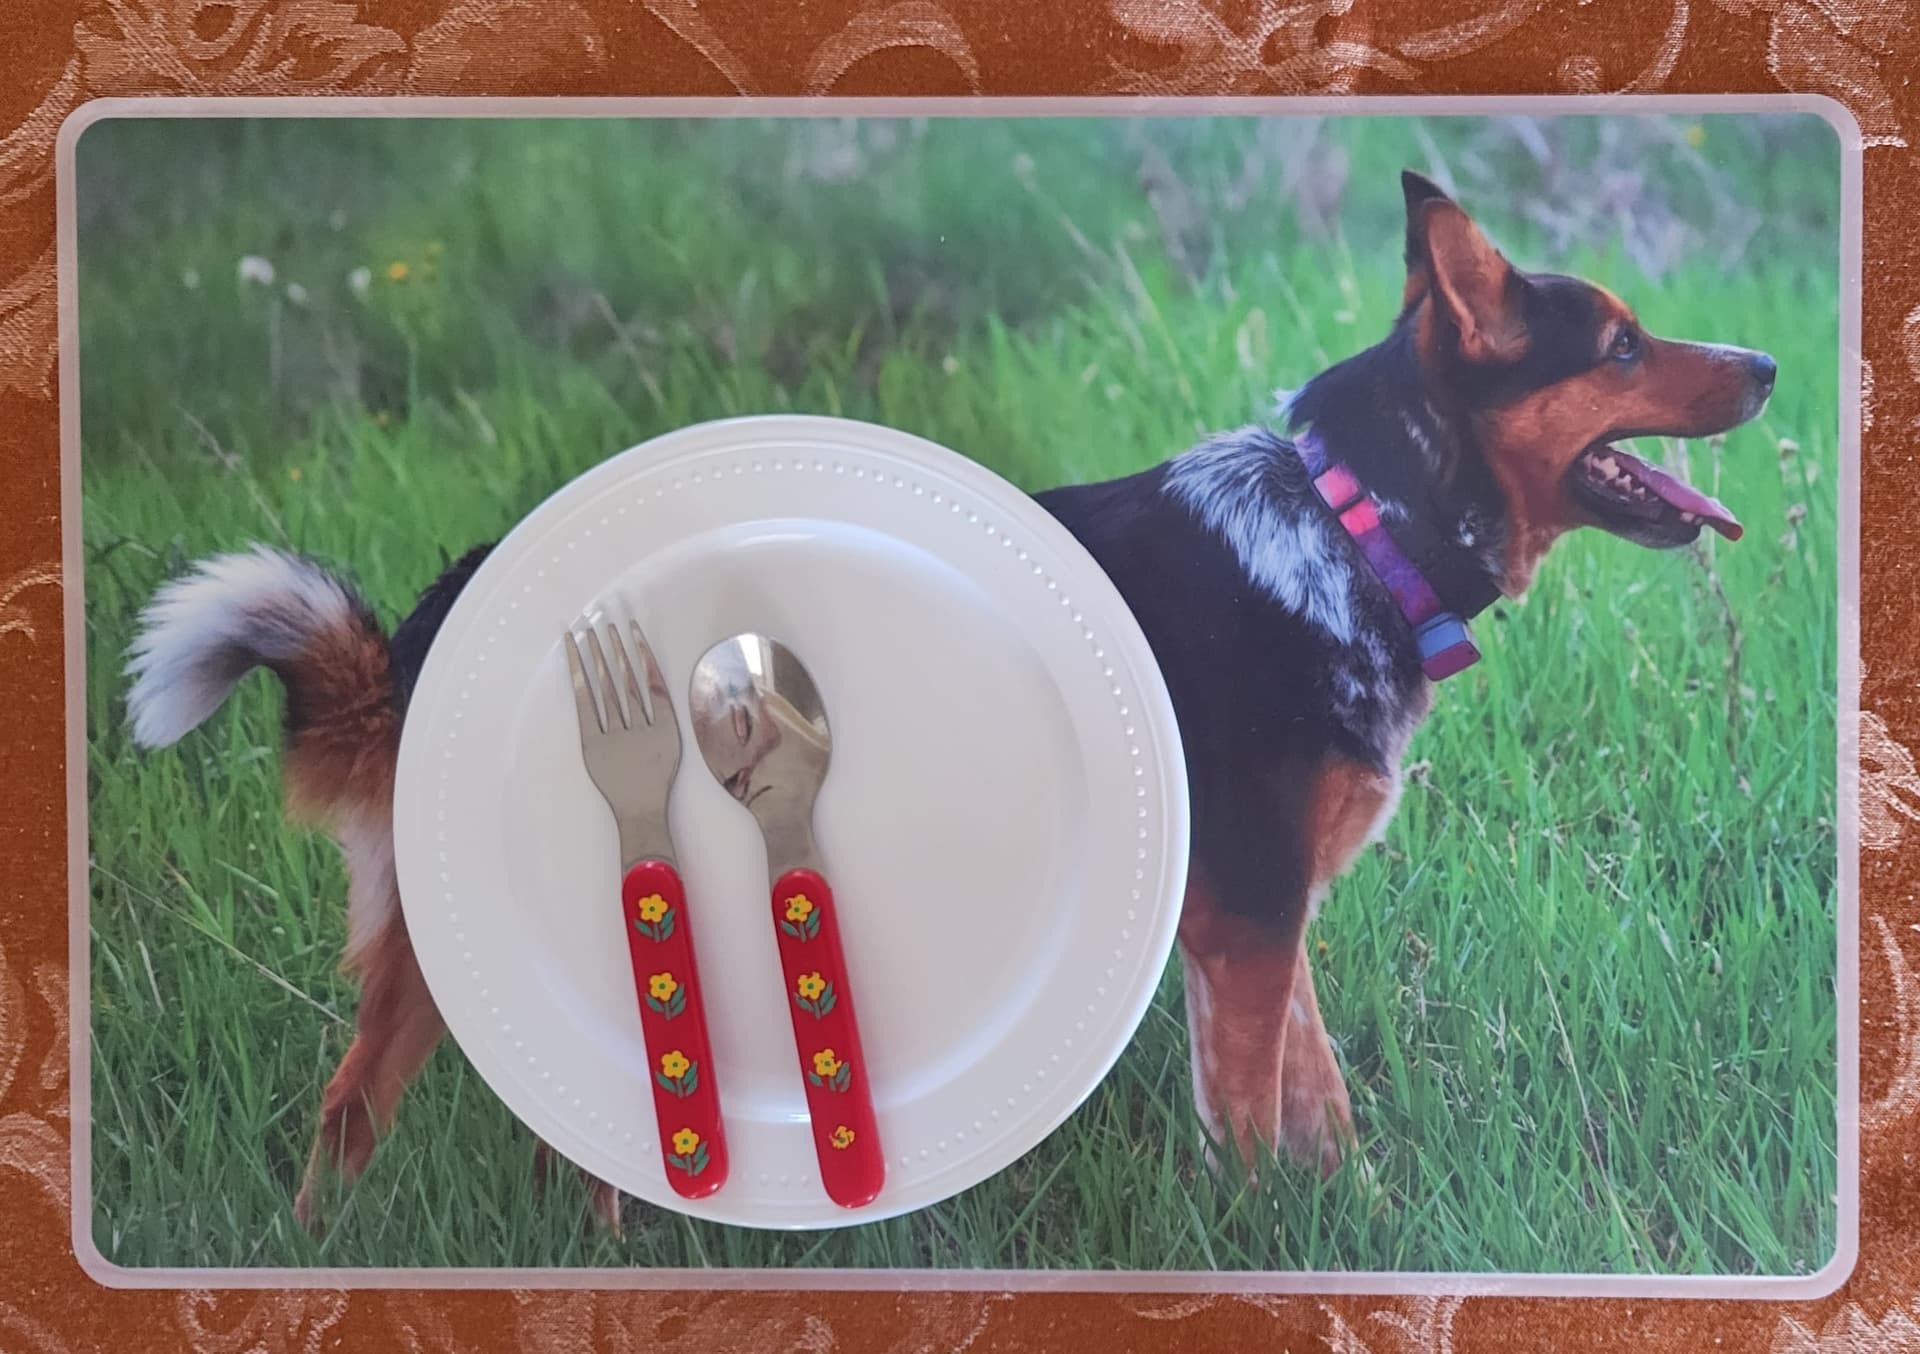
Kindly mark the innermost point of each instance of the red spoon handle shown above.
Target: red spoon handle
(673, 1020)
(825, 1035)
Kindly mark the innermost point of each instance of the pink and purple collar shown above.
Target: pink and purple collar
(1446, 644)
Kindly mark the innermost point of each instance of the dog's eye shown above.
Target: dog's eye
(1626, 346)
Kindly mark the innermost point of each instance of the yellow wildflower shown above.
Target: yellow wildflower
(397, 271)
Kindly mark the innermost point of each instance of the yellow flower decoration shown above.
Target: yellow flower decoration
(842, 1137)
(799, 907)
(397, 271)
(662, 986)
(684, 1142)
(810, 985)
(652, 907)
(825, 1063)
(674, 1064)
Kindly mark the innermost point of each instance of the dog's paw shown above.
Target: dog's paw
(604, 1201)
(306, 1210)
(1317, 1131)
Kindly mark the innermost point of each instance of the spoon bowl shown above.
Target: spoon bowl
(762, 728)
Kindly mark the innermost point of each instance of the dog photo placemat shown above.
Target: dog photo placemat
(1299, 664)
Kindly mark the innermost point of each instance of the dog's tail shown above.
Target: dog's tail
(232, 613)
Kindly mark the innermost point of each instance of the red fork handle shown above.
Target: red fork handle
(825, 1035)
(673, 1020)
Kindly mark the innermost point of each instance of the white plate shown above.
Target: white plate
(1004, 820)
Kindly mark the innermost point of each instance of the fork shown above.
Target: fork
(630, 742)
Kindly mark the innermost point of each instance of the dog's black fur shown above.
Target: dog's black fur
(1251, 680)
(414, 635)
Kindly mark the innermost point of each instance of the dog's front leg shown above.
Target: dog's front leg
(1316, 1115)
(1240, 974)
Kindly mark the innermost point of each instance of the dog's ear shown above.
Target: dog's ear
(1418, 190)
(1471, 282)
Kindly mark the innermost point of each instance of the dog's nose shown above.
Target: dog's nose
(1762, 368)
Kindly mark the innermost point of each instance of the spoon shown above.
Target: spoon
(762, 729)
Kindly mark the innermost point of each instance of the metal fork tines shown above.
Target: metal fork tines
(629, 738)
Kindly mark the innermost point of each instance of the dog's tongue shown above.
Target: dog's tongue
(1678, 494)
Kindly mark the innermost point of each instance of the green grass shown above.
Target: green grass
(1584, 989)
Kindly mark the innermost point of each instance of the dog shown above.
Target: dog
(1303, 585)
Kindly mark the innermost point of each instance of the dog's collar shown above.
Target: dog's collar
(1446, 644)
